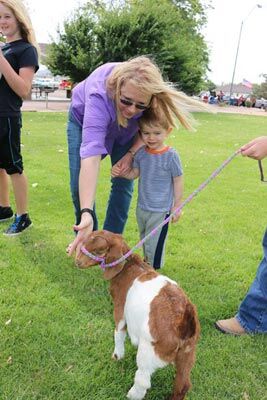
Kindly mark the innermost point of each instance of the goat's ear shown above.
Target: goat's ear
(111, 272)
(115, 252)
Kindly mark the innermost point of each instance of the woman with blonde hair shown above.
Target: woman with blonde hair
(103, 119)
(18, 63)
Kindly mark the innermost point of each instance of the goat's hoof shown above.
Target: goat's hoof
(116, 356)
(130, 395)
(134, 395)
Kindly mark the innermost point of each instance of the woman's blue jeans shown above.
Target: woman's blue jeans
(252, 313)
(121, 188)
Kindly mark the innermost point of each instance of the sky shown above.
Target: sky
(221, 34)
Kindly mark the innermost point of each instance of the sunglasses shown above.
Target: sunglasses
(129, 103)
(261, 171)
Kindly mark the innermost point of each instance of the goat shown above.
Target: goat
(159, 318)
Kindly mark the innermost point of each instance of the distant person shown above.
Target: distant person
(241, 101)
(160, 187)
(220, 96)
(18, 64)
(103, 119)
(252, 314)
(253, 101)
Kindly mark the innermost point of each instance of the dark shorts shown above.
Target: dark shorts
(10, 157)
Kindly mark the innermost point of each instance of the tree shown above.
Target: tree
(260, 91)
(208, 85)
(193, 12)
(74, 54)
(167, 30)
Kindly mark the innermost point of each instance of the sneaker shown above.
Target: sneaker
(19, 225)
(5, 213)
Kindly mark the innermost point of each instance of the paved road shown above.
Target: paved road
(42, 105)
(55, 101)
(240, 110)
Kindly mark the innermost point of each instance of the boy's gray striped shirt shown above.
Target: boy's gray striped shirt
(157, 170)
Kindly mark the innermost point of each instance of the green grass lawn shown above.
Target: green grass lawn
(56, 323)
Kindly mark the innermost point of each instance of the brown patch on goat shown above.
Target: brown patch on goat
(151, 274)
(174, 326)
(173, 321)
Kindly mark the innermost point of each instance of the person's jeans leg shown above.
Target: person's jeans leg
(252, 313)
(74, 132)
(120, 194)
(74, 135)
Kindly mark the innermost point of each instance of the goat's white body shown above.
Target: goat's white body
(137, 307)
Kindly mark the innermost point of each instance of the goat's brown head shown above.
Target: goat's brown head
(107, 245)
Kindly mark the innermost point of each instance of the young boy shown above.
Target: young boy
(160, 186)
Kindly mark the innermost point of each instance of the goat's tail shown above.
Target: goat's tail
(190, 324)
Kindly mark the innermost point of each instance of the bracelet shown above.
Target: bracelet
(91, 212)
(131, 152)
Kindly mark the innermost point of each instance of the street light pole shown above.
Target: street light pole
(238, 44)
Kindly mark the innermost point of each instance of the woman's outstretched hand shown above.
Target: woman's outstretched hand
(83, 231)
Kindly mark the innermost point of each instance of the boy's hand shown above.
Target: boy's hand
(115, 171)
(177, 215)
(123, 166)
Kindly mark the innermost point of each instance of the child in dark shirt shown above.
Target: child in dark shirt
(18, 63)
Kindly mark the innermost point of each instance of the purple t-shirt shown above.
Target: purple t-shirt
(96, 114)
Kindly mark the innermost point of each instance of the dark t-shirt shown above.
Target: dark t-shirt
(19, 54)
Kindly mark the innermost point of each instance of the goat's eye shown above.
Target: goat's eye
(95, 252)
(98, 253)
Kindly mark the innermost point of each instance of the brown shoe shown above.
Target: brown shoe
(230, 326)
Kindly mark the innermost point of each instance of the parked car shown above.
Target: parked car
(261, 103)
(45, 83)
(65, 84)
(225, 99)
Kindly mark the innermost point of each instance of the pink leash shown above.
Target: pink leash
(177, 210)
